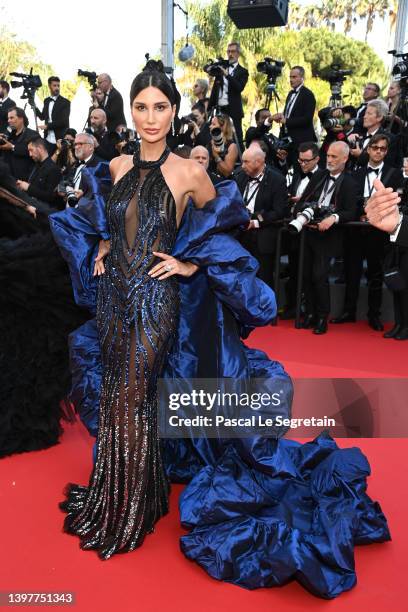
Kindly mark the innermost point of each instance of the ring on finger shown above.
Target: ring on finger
(168, 268)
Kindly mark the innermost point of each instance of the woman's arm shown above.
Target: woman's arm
(225, 166)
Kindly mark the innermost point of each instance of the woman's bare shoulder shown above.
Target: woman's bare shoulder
(189, 167)
(118, 166)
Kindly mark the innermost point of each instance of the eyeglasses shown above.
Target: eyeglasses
(306, 161)
(378, 148)
(81, 144)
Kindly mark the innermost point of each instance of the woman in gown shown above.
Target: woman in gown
(261, 510)
(137, 317)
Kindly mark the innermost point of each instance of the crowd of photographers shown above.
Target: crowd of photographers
(305, 199)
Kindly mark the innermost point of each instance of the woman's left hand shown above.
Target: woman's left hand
(215, 150)
(162, 271)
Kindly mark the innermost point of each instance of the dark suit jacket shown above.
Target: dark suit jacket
(43, 181)
(299, 125)
(94, 161)
(390, 177)
(114, 110)
(4, 109)
(402, 238)
(344, 197)
(59, 116)
(393, 157)
(19, 160)
(236, 83)
(297, 178)
(270, 205)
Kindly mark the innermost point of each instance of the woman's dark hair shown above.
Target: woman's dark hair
(153, 78)
(200, 107)
(70, 132)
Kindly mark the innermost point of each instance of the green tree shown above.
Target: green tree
(20, 56)
(314, 48)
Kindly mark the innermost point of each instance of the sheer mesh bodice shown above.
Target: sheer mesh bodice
(137, 319)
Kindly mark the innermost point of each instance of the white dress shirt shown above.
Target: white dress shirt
(292, 100)
(370, 178)
(304, 183)
(223, 95)
(327, 194)
(51, 134)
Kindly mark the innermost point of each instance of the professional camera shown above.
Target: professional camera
(333, 122)
(66, 144)
(30, 82)
(284, 143)
(400, 70)
(353, 144)
(335, 78)
(127, 136)
(188, 119)
(3, 139)
(91, 76)
(310, 213)
(216, 137)
(66, 187)
(213, 67)
(272, 68)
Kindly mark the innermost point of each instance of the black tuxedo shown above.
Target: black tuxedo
(402, 238)
(43, 180)
(366, 243)
(269, 206)
(236, 84)
(113, 107)
(299, 124)
(393, 157)
(19, 160)
(320, 247)
(91, 163)
(106, 145)
(5, 107)
(59, 116)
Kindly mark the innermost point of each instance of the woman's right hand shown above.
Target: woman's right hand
(104, 248)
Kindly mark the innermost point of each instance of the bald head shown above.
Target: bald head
(104, 82)
(200, 154)
(253, 160)
(337, 156)
(97, 120)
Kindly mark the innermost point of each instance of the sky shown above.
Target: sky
(90, 36)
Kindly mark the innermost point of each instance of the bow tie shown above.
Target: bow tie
(375, 170)
(255, 179)
(332, 178)
(306, 175)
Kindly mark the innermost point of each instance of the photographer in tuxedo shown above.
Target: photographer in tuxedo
(373, 123)
(226, 93)
(106, 148)
(55, 113)
(297, 118)
(45, 176)
(333, 195)
(371, 92)
(275, 156)
(308, 160)
(74, 187)
(14, 147)
(6, 104)
(112, 103)
(265, 196)
(368, 243)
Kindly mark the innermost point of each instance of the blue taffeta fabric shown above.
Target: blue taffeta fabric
(260, 511)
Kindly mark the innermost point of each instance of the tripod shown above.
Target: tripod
(271, 94)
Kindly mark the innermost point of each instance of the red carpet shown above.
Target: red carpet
(38, 557)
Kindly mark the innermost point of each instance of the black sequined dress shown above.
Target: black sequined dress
(137, 318)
